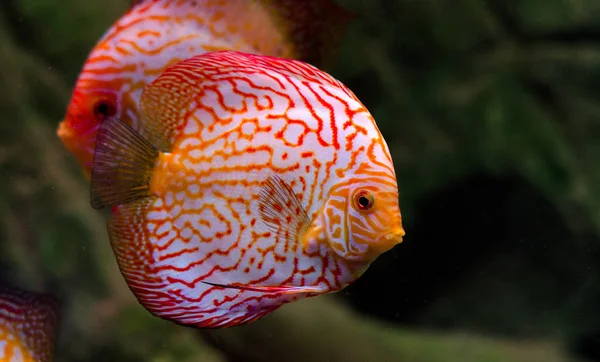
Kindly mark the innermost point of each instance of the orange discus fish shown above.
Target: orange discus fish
(28, 323)
(249, 182)
(154, 34)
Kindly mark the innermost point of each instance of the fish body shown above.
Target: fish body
(155, 34)
(250, 182)
(27, 326)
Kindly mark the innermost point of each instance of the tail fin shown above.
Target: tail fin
(123, 165)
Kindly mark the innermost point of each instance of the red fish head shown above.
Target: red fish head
(89, 106)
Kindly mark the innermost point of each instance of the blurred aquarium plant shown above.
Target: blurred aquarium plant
(491, 114)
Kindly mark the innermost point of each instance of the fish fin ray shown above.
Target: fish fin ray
(285, 289)
(281, 210)
(122, 167)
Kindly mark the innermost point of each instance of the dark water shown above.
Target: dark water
(491, 112)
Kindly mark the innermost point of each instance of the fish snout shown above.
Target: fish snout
(395, 236)
(63, 131)
(388, 240)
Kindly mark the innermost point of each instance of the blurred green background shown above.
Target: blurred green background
(492, 112)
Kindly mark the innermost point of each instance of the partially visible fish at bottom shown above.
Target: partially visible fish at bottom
(28, 325)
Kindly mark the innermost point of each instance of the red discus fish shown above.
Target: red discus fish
(154, 34)
(28, 324)
(249, 182)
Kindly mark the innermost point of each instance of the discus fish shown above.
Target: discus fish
(28, 324)
(250, 182)
(154, 34)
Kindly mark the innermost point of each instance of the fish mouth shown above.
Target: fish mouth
(68, 137)
(79, 144)
(393, 237)
(387, 241)
(63, 131)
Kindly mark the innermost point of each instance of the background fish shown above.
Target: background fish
(253, 181)
(154, 34)
(28, 323)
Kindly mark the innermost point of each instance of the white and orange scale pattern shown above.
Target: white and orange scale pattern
(155, 34)
(27, 326)
(229, 121)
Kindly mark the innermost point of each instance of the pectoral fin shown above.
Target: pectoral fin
(281, 210)
(123, 165)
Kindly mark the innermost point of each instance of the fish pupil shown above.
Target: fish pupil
(363, 201)
(103, 109)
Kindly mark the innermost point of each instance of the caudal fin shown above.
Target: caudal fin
(123, 165)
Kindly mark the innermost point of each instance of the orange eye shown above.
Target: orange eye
(104, 108)
(363, 200)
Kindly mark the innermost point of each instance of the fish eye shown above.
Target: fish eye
(104, 108)
(363, 200)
